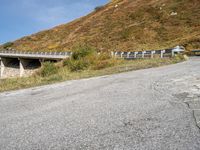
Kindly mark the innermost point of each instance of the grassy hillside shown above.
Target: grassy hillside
(125, 25)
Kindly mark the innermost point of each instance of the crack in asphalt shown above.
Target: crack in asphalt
(154, 108)
(183, 97)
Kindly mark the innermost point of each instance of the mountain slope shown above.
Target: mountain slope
(125, 25)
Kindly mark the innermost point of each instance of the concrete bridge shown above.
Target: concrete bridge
(18, 63)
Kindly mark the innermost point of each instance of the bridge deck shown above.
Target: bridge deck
(35, 55)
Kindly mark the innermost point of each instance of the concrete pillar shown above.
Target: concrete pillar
(4, 63)
(2, 68)
(41, 60)
(21, 67)
(23, 63)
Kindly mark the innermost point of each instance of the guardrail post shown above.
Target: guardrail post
(112, 54)
(135, 54)
(161, 54)
(173, 53)
(152, 53)
(115, 54)
(143, 54)
(122, 53)
(128, 54)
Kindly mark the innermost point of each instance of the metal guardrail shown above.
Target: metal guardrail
(36, 53)
(119, 54)
(195, 52)
(143, 54)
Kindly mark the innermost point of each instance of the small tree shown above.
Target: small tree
(7, 45)
(82, 51)
(98, 8)
(82, 58)
(48, 69)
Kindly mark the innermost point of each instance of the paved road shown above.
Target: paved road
(147, 109)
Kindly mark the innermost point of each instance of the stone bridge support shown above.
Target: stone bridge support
(18, 64)
(18, 67)
(5, 62)
(28, 64)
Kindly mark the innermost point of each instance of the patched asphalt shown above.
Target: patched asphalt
(156, 108)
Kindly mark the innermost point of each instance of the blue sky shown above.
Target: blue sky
(19, 18)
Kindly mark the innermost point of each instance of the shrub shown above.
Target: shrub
(82, 58)
(82, 51)
(7, 45)
(77, 65)
(104, 61)
(85, 57)
(125, 34)
(48, 69)
(179, 58)
(66, 62)
(98, 8)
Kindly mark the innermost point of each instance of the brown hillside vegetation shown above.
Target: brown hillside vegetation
(126, 25)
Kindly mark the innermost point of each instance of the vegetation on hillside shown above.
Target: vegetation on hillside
(126, 25)
(83, 64)
(85, 57)
(7, 45)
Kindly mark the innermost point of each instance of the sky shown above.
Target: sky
(19, 18)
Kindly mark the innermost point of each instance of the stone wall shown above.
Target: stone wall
(10, 72)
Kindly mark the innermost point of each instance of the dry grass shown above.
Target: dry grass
(64, 73)
(133, 25)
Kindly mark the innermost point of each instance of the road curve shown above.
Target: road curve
(156, 108)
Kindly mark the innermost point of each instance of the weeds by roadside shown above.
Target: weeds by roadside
(48, 69)
(83, 65)
(85, 58)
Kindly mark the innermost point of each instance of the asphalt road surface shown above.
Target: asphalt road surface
(148, 109)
